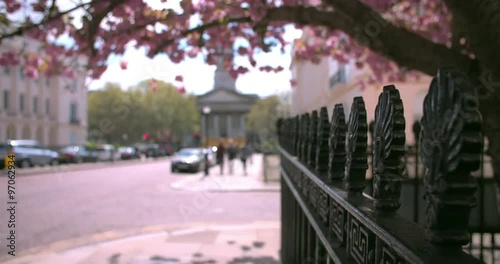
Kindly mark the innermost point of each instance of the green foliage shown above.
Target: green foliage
(262, 119)
(114, 112)
(91, 145)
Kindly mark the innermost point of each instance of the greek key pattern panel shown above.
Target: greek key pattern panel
(387, 256)
(323, 206)
(338, 219)
(361, 242)
(305, 187)
(313, 195)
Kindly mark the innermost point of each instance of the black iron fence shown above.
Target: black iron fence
(330, 216)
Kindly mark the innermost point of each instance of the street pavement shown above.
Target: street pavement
(67, 209)
(253, 181)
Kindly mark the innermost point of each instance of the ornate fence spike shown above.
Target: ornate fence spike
(371, 128)
(417, 128)
(296, 130)
(356, 145)
(305, 138)
(388, 150)
(287, 134)
(300, 137)
(279, 130)
(313, 140)
(451, 145)
(336, 143)
(322, 149)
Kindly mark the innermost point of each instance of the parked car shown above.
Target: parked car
(29, 153)
(77, 154)
(127, 153)
(188, 159)
(152, 150)
(106, 152)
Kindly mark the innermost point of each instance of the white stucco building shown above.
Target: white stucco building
(50, 110)
(329, 83)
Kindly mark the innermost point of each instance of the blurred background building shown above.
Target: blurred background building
(328, 83)
(51, 110)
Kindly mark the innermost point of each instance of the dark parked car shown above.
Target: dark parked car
(77, 154)
(127, 153)
(152, 150)
(188, 159)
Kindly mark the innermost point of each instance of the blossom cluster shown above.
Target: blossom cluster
(107, 27)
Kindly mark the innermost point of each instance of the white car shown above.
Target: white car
(107, 152)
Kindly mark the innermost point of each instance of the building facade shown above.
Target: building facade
(329, 83)
(51, 110)
(228, 109)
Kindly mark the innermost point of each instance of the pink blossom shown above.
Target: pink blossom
(123, 65)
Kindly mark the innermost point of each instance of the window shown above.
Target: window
(21, 102)
(73, 112)
(6, 100)
(47, 81)
(72, 138)
(6, 70)
(339, 77)
(47, 106)
(21, 72)
(35, 104)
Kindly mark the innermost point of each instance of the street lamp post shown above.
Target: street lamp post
(206, 112)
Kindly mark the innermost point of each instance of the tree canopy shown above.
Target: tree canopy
(163, 113)
(261, 119)
(401, 35)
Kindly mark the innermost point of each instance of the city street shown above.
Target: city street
(67, 205)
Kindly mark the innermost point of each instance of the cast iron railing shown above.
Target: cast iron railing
(326, 217)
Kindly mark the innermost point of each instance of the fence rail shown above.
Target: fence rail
(327, 217)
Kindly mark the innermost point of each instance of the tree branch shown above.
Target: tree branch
(199, 29)
(365, 26)
(406, 48)
(21, 29)
(480, 21)
(95, 23)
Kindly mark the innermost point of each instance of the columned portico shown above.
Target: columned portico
(228, 106)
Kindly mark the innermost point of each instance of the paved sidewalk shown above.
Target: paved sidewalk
(257, 242)
(235, 182)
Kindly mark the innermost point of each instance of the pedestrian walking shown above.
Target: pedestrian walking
(250, 150)
(232, 152)
(244, 154)
(220, 157)
(206, 162)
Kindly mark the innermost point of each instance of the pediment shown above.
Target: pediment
(225, 96)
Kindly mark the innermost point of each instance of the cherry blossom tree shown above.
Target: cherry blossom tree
(396, 39)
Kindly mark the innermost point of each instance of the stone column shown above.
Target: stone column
(242, 125)
(216, 126)
(204, 126)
